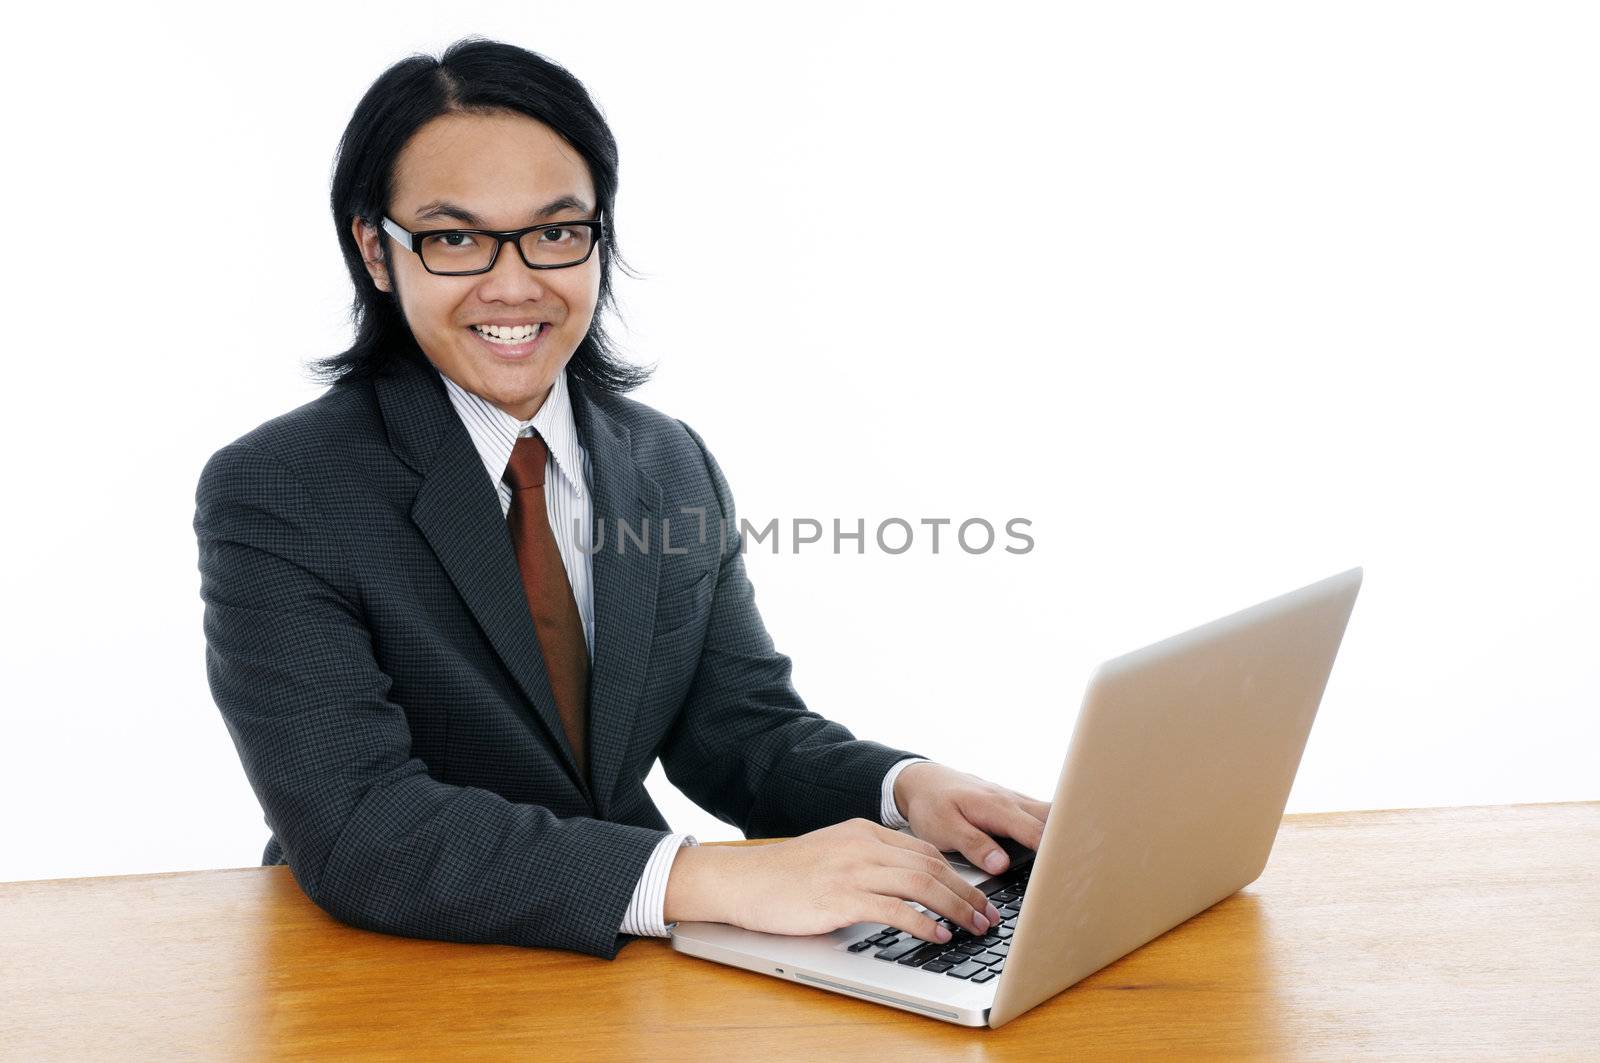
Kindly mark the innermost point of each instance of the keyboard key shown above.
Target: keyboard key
(966, 970)
(971, 948)
(988, 958)
(921, 956)
(983, 976)
(901, 948)
(862, 946)
(937, 966)
(1004, 932)
(1004, 948)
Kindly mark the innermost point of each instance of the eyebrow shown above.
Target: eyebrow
(441, 208)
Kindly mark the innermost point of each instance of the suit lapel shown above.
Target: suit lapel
(458, 512)
(625, 585)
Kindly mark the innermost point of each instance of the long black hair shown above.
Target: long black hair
(473, 75)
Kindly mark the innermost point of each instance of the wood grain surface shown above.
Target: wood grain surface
(1450, 933)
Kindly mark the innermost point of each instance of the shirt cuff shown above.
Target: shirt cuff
(889, 812)
(647, 910)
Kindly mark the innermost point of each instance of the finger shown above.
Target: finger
(1006, 817)
(917, 854)
(932, 892)
(891, 911)
(1039, 810)
(979, 849)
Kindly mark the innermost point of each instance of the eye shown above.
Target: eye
(560, 235)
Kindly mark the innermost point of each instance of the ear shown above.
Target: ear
(370, 240)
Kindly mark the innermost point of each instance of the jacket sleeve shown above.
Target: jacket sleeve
(370, 836)
(745, 747)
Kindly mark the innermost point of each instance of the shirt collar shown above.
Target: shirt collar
(495, 432)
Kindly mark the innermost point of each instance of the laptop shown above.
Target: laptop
(1169, 800)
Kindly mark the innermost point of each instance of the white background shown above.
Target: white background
(1223, 298)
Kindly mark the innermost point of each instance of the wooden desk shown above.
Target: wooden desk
(1416, 934)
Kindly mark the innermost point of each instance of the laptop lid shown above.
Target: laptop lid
(1173, 786)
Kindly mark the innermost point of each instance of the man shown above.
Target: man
(445, 697)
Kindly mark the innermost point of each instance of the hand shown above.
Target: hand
(852, 872)
(955, 811)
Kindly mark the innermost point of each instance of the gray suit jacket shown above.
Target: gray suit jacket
(370, 648)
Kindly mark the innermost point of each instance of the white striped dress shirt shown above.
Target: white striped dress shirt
(570, 507)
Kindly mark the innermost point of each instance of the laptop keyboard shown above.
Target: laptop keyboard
(966, 955)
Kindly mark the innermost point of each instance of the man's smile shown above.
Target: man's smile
(510, 341)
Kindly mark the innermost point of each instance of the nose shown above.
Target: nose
(511, 280)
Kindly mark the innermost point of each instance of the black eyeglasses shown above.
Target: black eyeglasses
(462, 252)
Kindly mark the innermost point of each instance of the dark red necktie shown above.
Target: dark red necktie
(550, 600)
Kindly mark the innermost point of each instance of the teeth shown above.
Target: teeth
(504, 334)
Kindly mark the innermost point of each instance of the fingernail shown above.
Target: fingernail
(994, 914)
(941, 933)
(995, 860)
(981, 923)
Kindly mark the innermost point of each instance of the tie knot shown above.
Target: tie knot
(526, 468)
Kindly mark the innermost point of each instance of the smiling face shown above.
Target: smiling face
(490, 171)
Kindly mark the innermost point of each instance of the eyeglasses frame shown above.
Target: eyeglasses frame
(412, 241)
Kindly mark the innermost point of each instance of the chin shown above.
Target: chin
(516, 388)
